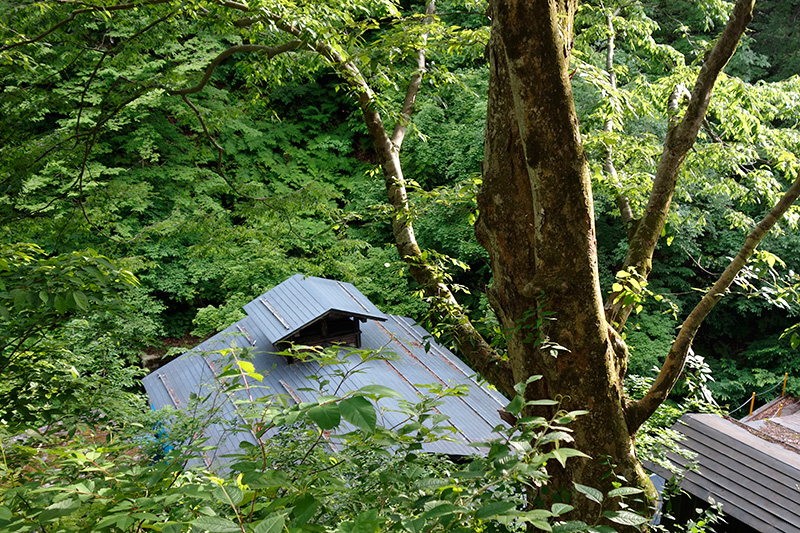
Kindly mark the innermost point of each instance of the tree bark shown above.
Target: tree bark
(537, 223)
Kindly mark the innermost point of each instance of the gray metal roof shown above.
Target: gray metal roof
(756, 481)
(406, 371)
(301, 300)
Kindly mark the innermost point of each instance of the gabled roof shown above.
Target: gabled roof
(301, 300)
(756, 481)
(411, 366)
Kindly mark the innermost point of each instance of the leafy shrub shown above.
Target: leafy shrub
(318, 466)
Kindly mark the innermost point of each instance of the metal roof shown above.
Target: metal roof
(406, 369)
(756, 481)
(301, 300)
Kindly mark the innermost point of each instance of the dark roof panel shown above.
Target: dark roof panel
(755, 480)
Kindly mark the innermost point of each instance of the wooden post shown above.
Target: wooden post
(752, 403)
(785, 376)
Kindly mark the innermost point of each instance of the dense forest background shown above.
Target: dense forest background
(109, 174)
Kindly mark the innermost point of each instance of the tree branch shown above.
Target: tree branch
(269, 51)
(623, 203)
(680, 138)
(414, 84)
(90, 8)
(637, 412)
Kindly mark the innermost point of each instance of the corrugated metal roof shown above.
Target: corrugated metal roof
(756, 481)
(301, 300)
(406, 371)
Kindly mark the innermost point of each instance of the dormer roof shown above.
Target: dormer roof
(299, 301)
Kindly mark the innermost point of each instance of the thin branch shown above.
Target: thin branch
(269, 51)
(637, 412)
(469, 341)
(623, 203)
(90, 8)
(414, 83)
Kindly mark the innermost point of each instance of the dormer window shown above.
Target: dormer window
(312, 312)
(334, 328)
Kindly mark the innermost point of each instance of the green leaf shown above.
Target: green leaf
(81, 300)
(304, 508)
(228, 494)
(520, 387)
(602, 529)
(542, 402)
(516, 405)
(273, 524)
(360, 412)
(59, 509)
(441, 509)
(562, 454)
(414, 526)
(493, 509)
(61, 304)
(380, 391)
(561, 508)
(215, 524)
(573, 526)
(795, 341)
(626, 518)
(623, 491)
(246, 366)
(326, 416)
(593, 494)
(366, 522)
(5, 513)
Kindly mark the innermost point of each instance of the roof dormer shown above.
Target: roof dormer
(313, 312)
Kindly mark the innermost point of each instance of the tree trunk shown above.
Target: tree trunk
(537, 223)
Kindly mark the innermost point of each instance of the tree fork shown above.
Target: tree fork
(638, 412)
(680, 139)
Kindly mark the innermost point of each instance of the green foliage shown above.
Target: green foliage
(372, 478)
(45, 376)
(656, 438)
(649, 338)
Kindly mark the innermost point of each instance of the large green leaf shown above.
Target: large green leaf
(59, 509)
(327, 416)
(360, 412)
(562, 454)
(380, 391)
(215, 524)
(591, 493)
(494, 508)
(273, 524)
(626, 518)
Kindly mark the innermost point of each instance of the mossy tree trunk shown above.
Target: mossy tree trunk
(537, 223)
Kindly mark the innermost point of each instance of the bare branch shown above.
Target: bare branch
(414, 83)
(269, 51)
(623, 203)
(638, 412)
